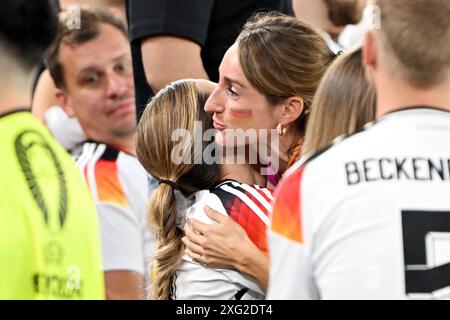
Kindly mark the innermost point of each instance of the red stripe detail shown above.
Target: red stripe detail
(257, 203)
(250, 221)
(264, 195)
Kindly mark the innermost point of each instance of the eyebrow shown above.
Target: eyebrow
(232, 81)
(94, 67)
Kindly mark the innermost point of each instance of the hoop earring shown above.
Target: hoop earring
(281, 129)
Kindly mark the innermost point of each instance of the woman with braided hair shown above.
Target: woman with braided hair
(186, 186)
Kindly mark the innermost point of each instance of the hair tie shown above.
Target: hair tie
(169, 182)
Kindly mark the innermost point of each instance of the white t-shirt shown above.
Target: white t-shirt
(120, 188)
(67, 131)
(250, 207)
(368, 218)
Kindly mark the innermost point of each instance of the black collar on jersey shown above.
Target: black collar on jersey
(111, 151)
(337, 140)
(8, 113)
(220, 183)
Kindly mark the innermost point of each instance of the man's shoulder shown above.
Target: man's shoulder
(98, 151)
(93, 155)
(110, 172)
(406, 139)
(344, 146)
(391, 133)
(21, 133)
(15, 124)
(324, 170)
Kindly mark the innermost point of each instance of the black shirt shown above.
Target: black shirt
(213, 24)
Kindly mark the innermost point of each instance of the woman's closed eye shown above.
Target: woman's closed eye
(232, 91)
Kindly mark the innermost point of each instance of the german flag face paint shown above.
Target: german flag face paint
(239, 115)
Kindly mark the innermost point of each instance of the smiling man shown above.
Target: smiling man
(91, 66)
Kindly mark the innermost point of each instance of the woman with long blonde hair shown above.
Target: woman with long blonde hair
(171, 147)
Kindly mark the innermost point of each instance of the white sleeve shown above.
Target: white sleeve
(203, 198)
(66, 130)
(197, 282)
(290, 271)
(121, 237)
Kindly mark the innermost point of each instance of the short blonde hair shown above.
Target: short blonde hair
(417, 34)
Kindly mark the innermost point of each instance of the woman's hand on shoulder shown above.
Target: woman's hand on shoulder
(217, 245)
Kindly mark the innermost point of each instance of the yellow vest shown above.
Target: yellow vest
(49, 236)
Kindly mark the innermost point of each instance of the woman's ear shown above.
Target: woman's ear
(369, 51)
(292, 109)
(369, 56)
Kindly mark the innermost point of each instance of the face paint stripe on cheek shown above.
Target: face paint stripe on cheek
(240, 114)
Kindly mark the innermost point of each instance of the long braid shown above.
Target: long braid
(154, 147)
(162, 215)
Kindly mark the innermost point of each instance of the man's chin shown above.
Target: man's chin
(125, 131)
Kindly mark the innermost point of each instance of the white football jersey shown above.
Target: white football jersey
(249, 206)
(120, 188)
(368, 218)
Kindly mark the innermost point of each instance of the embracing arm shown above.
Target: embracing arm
(225, 244)
(314, 12)
(44, 96)
(168, 58)
(317, 14)
(254, 263)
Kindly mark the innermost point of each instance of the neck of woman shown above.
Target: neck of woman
(244, 173)
(289, 148)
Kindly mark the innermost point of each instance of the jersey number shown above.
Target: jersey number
(426, 248)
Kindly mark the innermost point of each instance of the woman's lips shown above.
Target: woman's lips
(218, 125)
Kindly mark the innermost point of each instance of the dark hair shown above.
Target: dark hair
(343, 12)
(27, 29)
(90, 29)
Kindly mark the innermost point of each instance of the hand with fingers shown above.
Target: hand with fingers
(224, 244)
